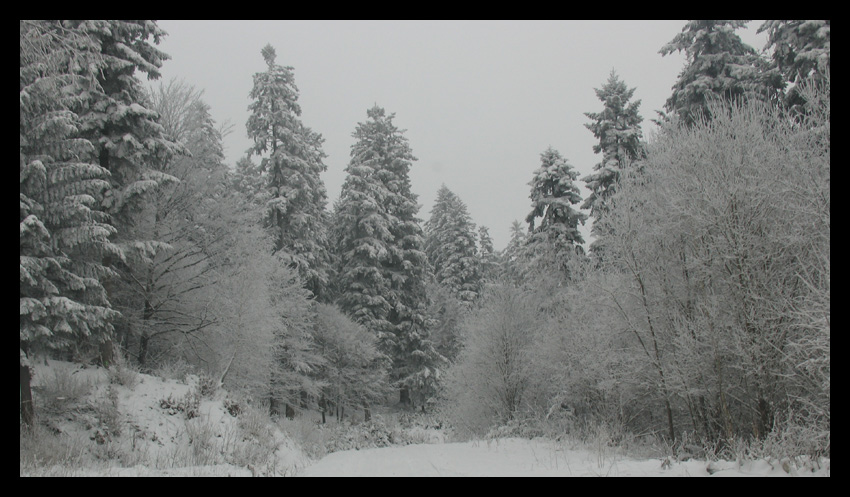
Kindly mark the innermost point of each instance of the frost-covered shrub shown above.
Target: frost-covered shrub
(207, 386)
(189, 404)
(493, 380)
(255, 422)
(517, 428)
(41, 448)
(107, 415)
(174, 369)
(122, 373)
(61, 390)
(233, 407)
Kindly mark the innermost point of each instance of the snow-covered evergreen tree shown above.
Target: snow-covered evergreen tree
(800, 50)
(291, 165)
(118, 120)
(63, 234)
(383, 265)
(129, 143)
(718, 64)
(450, 245)
(617, 127)
(555, 239)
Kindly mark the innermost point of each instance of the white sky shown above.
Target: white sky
(480, 100)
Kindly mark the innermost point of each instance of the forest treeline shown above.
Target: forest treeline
(697, 314)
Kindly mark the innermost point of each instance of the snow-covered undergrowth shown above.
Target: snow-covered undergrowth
(117, 422)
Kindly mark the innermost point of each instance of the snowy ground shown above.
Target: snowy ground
(520, 458)
(155, 441)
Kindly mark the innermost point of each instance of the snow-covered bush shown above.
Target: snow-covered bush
(493, 381)
(61, 389)
(188, 404)
(42, 449)
(123, 373)
(108, 418)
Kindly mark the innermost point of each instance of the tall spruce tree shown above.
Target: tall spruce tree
(129, 142)
(383, 265)
(450, 245)
(555, 239)
(718, 64)
(291, 165)
(617, 127)
(63, 234)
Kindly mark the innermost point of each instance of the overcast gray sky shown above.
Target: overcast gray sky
(480, 100)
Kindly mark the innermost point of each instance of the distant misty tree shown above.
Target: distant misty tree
(248, 179)
(450, 245)
(489, 259)
(291, 166)
(718, 64)
(553, 223)
(382, 261)
(445, 314)
(513, 256)
(354, 370)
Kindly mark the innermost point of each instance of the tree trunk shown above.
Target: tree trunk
(404, 396)
(27, 406)
(670, 419)
(107, 354)
(765, 416)
(367, 414)
(273, 409)
(226, 370)
(289, 411)
(144, 340)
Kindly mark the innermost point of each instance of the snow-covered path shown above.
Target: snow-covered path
(517, 457)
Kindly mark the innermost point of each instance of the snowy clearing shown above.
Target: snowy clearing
(525, 458)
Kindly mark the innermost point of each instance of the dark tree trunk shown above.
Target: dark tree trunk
(289, 411)
(670, 425)
(27, 407)
(273, 408)
(107, 354)
(323, 406)
(144, 341)
(404, 396)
